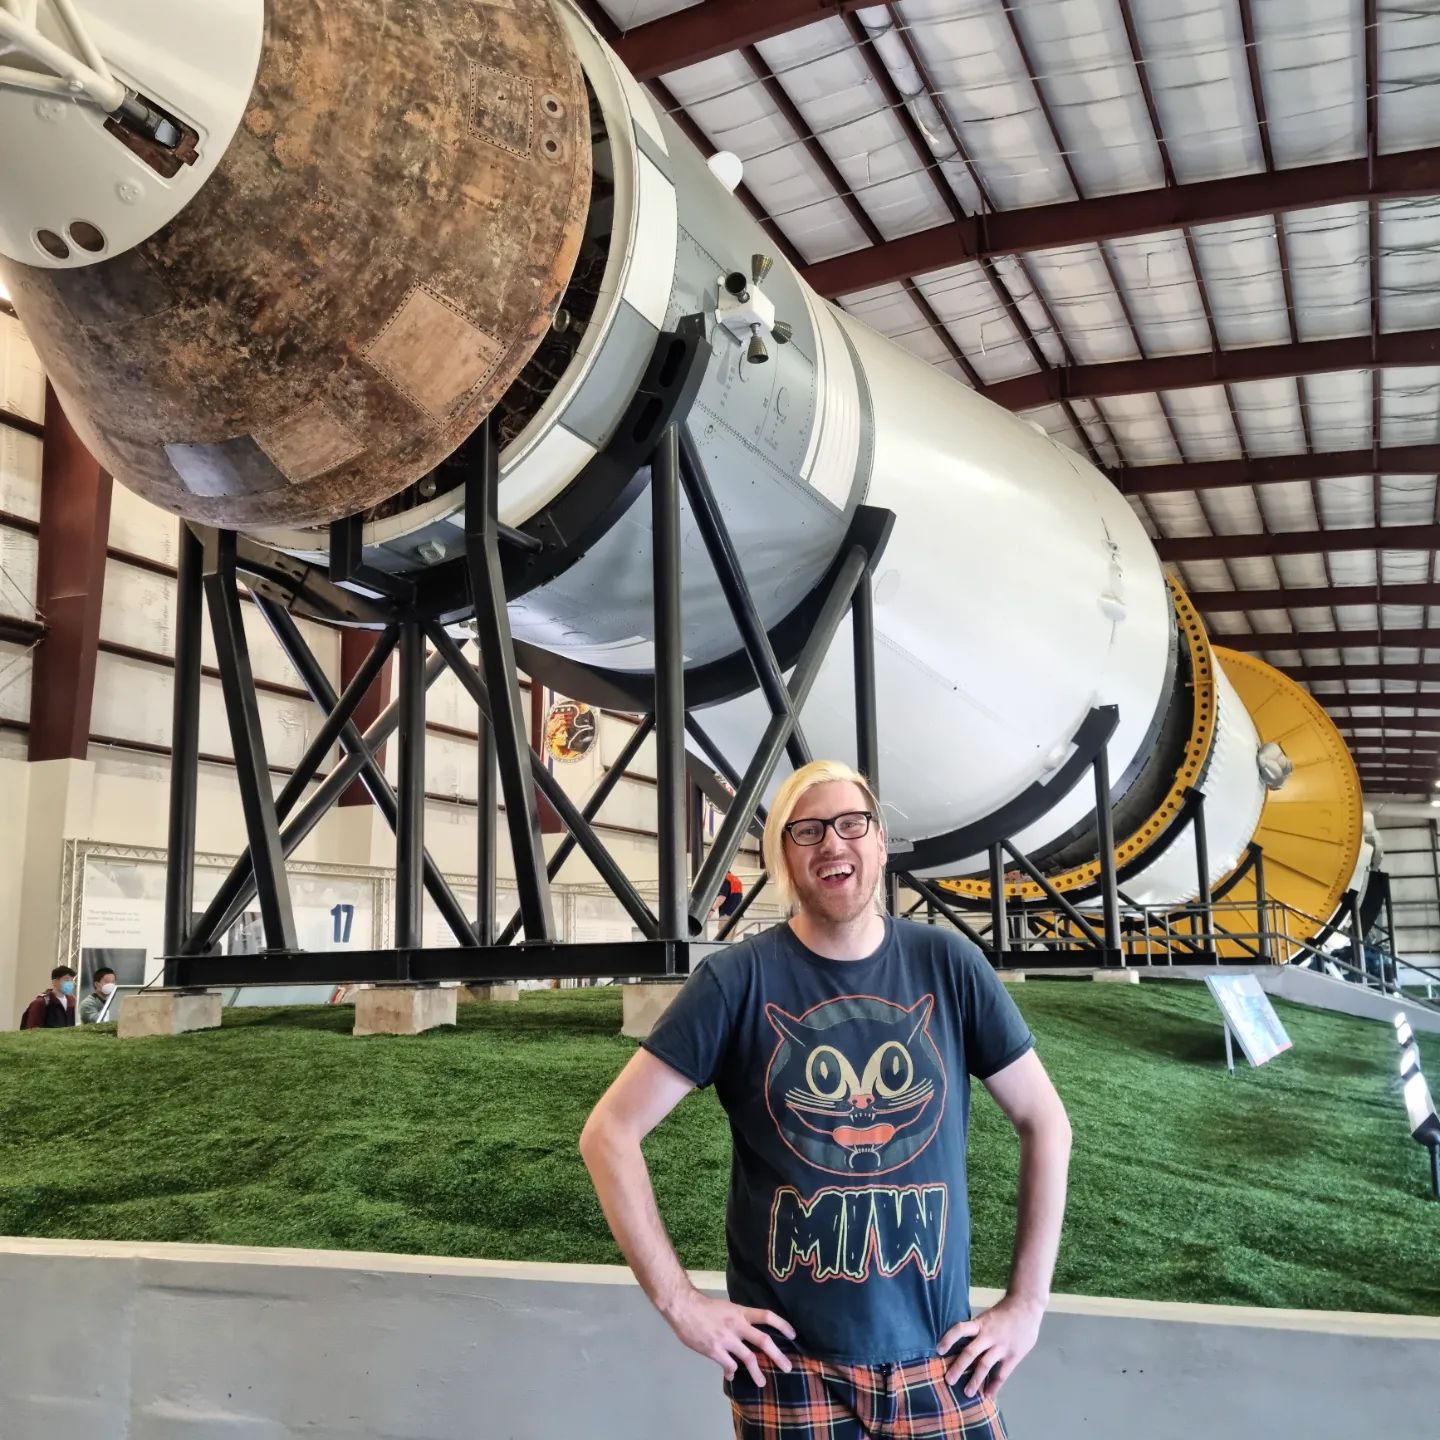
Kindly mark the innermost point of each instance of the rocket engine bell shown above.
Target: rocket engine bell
(428, 212)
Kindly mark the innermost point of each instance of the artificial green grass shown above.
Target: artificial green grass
(1295, 1185)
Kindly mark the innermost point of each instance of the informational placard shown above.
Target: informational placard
(1249, 1016)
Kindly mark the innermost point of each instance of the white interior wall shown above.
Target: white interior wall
(1411, 836)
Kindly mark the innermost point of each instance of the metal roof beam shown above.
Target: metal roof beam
(1314, 673)
(1214, 602)
(1326, 639)
(1299, 542)
(1274, 469)
(1216, 367)
(1406, 725)
(1410, 173)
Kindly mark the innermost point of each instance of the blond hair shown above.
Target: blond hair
(806, 778)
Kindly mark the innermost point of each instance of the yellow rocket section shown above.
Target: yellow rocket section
(1310, 830)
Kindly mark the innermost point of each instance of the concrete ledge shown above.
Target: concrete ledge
(422, 1345)
(1116, 977)
(168, 1012)
(404, 1009)
(1012, 977)
(643, 1005)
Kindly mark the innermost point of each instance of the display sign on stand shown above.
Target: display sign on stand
(1249, 1017)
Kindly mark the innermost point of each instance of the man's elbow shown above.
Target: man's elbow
(1048, 1126)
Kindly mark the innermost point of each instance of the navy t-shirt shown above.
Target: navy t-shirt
(847, 1084)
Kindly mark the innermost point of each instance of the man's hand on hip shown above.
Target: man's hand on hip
(730, 1334)
(998, 1341)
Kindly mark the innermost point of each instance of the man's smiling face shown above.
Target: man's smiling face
(835, 881)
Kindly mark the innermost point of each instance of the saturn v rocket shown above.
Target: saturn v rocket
(281, 257)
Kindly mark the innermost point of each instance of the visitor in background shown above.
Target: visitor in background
(94, 1003)
(54, 1007)
(841, 1044)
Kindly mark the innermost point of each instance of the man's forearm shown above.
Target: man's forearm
(622, 1182)
(1044, 1166)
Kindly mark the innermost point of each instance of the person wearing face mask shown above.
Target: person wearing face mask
(54, 1007)
(94, 1003)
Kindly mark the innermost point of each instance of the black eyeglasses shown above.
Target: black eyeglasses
(849, 826)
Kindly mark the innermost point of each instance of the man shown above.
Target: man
(103, 987)
(54, 1007)
(841, 1045)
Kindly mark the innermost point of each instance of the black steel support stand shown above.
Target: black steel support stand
(695, 825)
(932, 897)
(1262, 906)
(669, 706)
(1357, 939)
(497, 657)
(1204, 921)
(1394, 945)
(410, 826)
(237, 889)
(1060, 902)
(1105, 842)
(867, 720)
(999, 920)
(705, 511)
(554, 792)
(232, 653)
(638, 736)
(772, 742)
(185, 743)
(340, 726)
(486, 815)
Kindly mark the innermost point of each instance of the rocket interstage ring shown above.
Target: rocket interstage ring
(1199, 692)
(354, 286)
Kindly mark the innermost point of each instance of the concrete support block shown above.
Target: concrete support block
(404, 1009)
(1012, 977)
(488, 994)
(645, 1004)
(168, 1012)
(1117, 977)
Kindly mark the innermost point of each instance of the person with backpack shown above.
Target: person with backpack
(53, 1008)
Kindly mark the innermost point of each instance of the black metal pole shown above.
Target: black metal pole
(1204, 915)
(598, 797)
(1056, 898)
(1105, 846)
(238, 886)
(723, 556)
(410, 826)
(1262, 907)
(931, 896)
(1435, 1170)
(724, 768)
(732, 920)
(999, 920)
(554, 792)
(695, 826)
(867, 726)
(1390, 929)
(242, 710)
(497, 658)
(669, 686)
(339, 725)
(184, 743)
(772, 742)
(1357, 938)
(487, 815)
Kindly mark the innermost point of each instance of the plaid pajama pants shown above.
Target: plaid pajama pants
(821, 1400)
